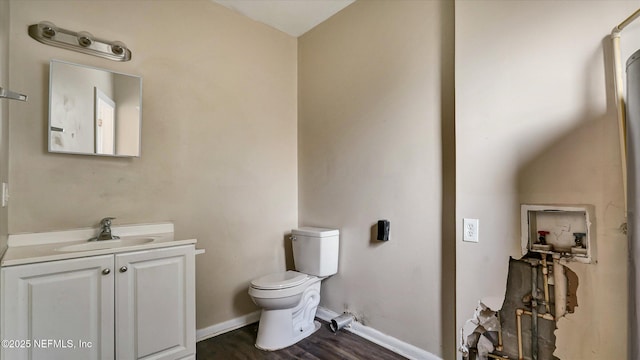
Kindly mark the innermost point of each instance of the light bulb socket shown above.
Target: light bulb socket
(85, 39)
(118, 47)
(48, 29)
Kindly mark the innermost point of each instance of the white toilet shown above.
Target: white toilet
(289, 299)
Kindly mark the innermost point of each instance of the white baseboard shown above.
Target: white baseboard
(384, 340)
(226, 326)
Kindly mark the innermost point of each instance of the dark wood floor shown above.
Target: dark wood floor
(322, 345)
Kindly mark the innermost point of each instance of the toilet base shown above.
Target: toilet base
(302, 335)
(281, 328)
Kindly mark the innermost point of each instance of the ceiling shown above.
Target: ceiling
(294, 17)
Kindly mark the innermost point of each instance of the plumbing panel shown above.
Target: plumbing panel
(564, 231)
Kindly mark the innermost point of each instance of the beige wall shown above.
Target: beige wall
(369, 142)
(4, 114)
(218, 140)
(535, 123)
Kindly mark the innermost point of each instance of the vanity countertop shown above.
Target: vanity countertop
(39, 247)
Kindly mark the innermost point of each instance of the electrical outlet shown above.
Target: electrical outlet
(470, 230)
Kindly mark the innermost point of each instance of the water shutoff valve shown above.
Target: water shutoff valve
(579, 238)
(542, 237)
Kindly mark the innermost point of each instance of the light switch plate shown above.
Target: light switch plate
(470, 230)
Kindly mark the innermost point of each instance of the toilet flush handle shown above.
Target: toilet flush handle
(292, 238)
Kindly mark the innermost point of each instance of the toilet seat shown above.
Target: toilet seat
(278, 281)
(291, 283)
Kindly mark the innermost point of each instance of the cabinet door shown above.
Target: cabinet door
(155, 304)
(58, 310)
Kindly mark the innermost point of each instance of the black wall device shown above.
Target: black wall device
(383, 230)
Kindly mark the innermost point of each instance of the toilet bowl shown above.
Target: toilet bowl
(289, 301)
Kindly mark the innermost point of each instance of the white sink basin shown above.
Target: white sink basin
(105, 244)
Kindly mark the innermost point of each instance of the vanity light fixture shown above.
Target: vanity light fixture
(82, 41)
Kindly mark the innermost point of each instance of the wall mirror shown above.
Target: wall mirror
(94, 111)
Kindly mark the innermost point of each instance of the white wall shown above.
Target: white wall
(218, 137)
(371, 108)
(536, 123)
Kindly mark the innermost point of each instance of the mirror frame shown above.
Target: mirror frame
(50, 127)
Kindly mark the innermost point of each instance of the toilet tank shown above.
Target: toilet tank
(315, 250)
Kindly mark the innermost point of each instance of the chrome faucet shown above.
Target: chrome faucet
(105, 231)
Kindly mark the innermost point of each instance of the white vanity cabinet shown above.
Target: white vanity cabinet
(123, 306)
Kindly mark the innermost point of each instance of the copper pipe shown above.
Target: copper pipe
(534, 310)
(519, 327)
(619, 94)
(499, 347)
(560, 287)
(542, 316)
(616, 30)
(519, 313)
(545, 276)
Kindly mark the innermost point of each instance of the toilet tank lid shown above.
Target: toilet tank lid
(314, 231)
